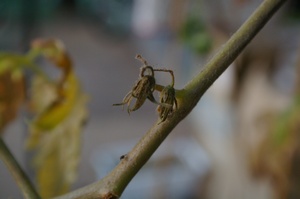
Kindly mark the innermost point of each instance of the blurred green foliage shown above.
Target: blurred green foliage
(196, 36)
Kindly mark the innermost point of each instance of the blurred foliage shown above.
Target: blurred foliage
(11, 96)
(278, 152)
(12, 88)
(56, 134)
(59, 108)
(277, 157)
(195, 35)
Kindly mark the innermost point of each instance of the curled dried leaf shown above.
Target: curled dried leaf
(53, 112)
(54, 50)
(55, 133)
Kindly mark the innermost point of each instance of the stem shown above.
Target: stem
(225, 56)
(116, 181)
(22, 180)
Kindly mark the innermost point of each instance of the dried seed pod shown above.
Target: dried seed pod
(167, 96)
(143, 89)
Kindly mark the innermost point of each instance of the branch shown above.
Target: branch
(22, 180)
(116, 181)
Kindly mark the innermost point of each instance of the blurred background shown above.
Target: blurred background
(242, 139)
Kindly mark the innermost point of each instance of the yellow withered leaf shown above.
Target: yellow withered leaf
(57, 151)
(59, 102)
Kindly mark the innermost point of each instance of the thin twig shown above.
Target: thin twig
(22, 180)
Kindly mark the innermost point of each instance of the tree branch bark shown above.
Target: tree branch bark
(116, 181)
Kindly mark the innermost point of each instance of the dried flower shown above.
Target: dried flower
(143, 89)
(167, 96)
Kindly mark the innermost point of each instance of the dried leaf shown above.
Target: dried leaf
(53, 50)
(52, 114)
(11, 97)
(57, 141)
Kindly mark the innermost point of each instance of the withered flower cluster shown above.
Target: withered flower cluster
(144, 89)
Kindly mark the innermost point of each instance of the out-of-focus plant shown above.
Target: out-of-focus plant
(59, 109)
(195, 34)
(278, 156)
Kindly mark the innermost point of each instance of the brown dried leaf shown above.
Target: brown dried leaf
(11, 97)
